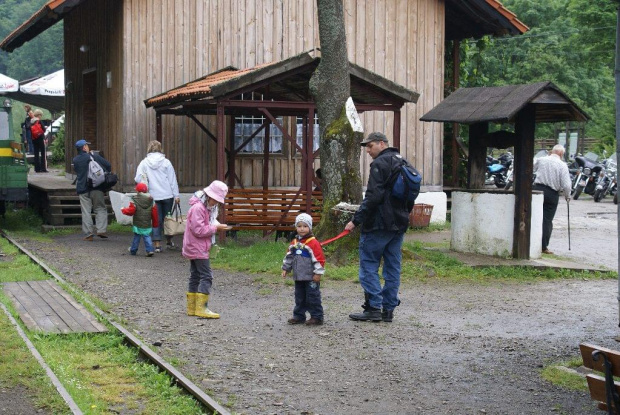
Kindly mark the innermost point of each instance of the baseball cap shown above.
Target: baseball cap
(81, 143)
(376, 136)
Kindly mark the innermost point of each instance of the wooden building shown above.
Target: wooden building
(120, 52)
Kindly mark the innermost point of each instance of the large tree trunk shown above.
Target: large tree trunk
(340, 150)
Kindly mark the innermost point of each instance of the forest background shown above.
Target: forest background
(570, 43)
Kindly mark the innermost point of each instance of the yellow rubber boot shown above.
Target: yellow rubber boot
(201, 307)
(191, 304)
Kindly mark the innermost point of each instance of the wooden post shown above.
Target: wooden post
(158, 130)
(454, 147)
(266, 157)
(221, 158)
(232, 153)
(523, 170)
(396, 130)
(476, 163)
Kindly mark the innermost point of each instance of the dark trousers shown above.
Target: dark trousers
(39, 154)
(550, 205)
(200, 276)
(308, 298)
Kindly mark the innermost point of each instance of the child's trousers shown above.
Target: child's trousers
(148, 243)
(308, 298)
(200, 276)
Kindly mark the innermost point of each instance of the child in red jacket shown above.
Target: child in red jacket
(305, 258)
(144, 212)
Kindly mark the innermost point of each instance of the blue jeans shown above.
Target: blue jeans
(163, 207)
(374, 246)
(308, 298)
(200, 276)
(148, 243)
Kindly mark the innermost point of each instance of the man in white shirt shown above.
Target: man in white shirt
(551, 176)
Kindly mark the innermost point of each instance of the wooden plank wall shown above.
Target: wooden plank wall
(96, 25)
(166, 43)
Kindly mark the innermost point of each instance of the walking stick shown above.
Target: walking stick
(568, 214)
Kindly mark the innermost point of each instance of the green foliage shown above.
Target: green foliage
(58, 147)
(37, 57)
(574, 50)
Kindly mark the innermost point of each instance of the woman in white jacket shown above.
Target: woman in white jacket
(157, 171)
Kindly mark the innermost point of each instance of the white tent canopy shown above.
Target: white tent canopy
(50, 85)
(8, 84)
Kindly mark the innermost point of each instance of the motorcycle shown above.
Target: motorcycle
(586, 178)
(510, 173)
(607, 183)
(497, 169)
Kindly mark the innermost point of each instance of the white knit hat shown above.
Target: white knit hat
(304, 218)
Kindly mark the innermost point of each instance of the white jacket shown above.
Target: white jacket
(162, 180)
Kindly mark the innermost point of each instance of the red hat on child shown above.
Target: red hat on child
(141, 187)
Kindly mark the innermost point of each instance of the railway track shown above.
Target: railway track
(143, 349)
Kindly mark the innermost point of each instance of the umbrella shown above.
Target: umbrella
(51, 85)
(8, 84)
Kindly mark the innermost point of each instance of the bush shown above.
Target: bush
(58, 147)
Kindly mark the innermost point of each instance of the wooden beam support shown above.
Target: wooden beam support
(525, 124)
(476, 162)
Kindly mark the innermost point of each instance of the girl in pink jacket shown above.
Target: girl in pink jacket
(199, 235)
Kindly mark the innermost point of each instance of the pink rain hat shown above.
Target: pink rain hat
(217, 190)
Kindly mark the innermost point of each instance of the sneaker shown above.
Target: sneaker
(149, 254)
(295, 321)
(387, 316)
(370, 314)
(314, 322)
(103, 235)
(89, 237)
(171, 246)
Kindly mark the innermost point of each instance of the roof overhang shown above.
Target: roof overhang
(502, 104)
(476, 18)
(285, 81)
(51, 13)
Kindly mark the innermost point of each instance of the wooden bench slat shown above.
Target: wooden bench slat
(272, 209)
(612, 355)
(596, 384)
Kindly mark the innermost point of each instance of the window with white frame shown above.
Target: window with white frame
(316, 139)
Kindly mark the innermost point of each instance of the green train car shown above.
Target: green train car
(13, 164)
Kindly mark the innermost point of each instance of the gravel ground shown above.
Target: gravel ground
(452, 348)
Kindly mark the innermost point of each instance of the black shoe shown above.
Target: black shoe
(295, 321)
(369, 314)
(387, 316)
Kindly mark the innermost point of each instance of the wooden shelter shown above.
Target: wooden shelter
(521, 105)
(269, 92)
(119, 52)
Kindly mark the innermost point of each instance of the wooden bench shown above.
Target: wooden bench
(272, 210)
(603, 388)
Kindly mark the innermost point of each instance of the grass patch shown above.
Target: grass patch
(560, 374)
(101, 373)
(252, 254)
(19, 368)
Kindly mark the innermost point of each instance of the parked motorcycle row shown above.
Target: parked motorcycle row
(593, 178)
(598, 179)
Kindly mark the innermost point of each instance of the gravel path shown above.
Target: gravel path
(452, 348)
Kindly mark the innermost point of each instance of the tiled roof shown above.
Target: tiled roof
(202, 86)
(508, 15)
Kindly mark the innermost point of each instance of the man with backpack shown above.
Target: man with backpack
(91, 198)
(384, 219)
(37, 132)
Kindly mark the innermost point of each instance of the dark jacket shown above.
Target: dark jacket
(144, 206)
(80, 166)
(379, 210)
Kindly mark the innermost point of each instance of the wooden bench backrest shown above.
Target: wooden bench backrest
(596, 383)
(268, 208)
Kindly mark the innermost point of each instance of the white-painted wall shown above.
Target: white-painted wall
(483, 223)
(439, 200)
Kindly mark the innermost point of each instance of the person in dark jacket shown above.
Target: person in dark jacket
(145, 218)
(90, 199)
(26, 129)
(383, 220)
